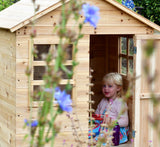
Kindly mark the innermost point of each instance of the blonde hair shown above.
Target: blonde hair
(114, 78)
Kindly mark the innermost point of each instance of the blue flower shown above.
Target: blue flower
(91, 14)
(63, 99)
(129, 4)
(34, 123)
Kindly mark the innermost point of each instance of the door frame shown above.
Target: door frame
(137, 87)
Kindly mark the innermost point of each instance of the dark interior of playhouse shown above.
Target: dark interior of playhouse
(111, 53)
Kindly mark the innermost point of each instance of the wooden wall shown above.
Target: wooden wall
(7, 89)
(148, 135)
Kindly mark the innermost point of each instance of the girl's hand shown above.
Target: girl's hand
(107, 120)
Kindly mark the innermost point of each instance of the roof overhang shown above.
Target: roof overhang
(53, 4)
(36, 16)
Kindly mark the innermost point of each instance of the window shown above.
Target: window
(126, 52)
(39, 68)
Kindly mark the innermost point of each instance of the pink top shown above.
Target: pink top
(114, 108)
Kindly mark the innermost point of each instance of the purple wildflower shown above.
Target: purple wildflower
(91, 14)
(34, 123)
(63, 99)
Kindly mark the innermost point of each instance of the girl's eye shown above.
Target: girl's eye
(104, 86)
(109, 86)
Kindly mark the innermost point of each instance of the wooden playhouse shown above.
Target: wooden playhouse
(114, 46)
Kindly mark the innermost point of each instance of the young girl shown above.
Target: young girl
(112, 105)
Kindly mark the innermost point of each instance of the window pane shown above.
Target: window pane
(64, 75)
(123, 65)
(44, 49)
(123, 45)
(69, 52)
(38, 72)
(36, 89)
(131, 46)
(41, 49)
(131, 66)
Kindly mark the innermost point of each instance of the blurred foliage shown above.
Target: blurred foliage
(6, 3)
(151, 9)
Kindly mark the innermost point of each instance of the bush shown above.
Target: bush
(6, 3)
(151, 9)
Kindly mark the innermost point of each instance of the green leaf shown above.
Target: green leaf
(68, 87)
(25, 137)
(75, 63)
(120, 1)
(80, 36)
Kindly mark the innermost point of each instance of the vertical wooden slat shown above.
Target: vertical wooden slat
(148, 136)
(136, 124)
(152, 73)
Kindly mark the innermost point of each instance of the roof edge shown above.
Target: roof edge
(37, 15)
(113, 2)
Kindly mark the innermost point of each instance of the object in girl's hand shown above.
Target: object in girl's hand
(98, 117)
(116, 135)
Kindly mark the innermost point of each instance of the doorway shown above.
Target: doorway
(111, 53)
(103, 59)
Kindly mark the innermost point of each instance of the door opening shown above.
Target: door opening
(106, 56)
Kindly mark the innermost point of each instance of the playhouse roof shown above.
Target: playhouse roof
(22, 12)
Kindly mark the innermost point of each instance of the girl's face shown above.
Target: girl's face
(110, 90)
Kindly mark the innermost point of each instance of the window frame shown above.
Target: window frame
(126, 56)
(35, 63)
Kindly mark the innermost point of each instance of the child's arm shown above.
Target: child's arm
(123, 119)
(98, 109)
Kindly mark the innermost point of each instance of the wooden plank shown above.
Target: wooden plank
(5, 134)
(21, 65)
(66, 137)
(83, 66)
(103, 29)
(51, 39)
(148, 95)
(21, 97)
(144, 37)
(156, 141)
(22, 48)
(43, 63)
(157, 54)
(4, 143)
(83, 50)
(7, 88)
(7, 43)
(144, 125)
(109, 16)
(41, 82)
(21, 81)
(136, 124)
(65, 126)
